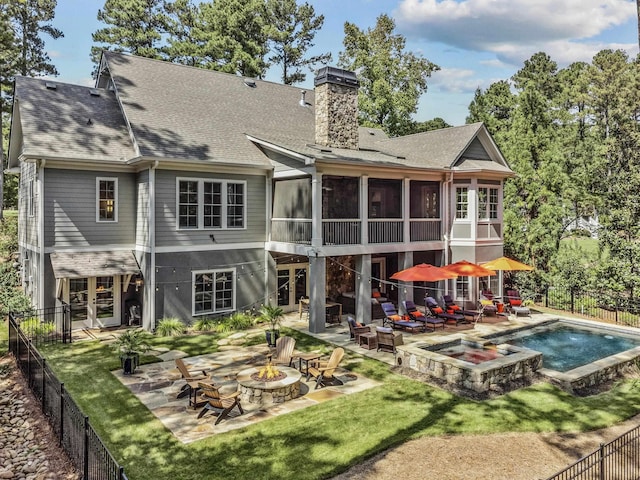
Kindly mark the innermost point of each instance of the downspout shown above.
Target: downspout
(152, 244)
(40, 167)
(447, 222)
(268, 214)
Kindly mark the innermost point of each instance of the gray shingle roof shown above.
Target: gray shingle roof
(93, 264)
(70, 122)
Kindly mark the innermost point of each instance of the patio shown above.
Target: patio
(157, 385)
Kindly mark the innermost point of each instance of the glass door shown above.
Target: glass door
(78, 300)
(94, 301)
(292, 284)
(104, 300)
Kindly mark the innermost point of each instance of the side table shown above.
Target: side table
(306, 358)
(369, 340)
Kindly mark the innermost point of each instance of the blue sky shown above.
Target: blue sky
(475, 42)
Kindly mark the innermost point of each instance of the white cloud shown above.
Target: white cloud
(504, 26)
(54, 53)
(456, 80)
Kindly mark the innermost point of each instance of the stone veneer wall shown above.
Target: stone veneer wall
(479, 378)
(265, 397)
(336, 112)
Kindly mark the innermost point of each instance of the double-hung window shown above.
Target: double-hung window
(487, 203)
(106, 199)
(462, 202)
(211, 204)
(213, 291)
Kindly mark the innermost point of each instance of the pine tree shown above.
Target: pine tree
(291, 29)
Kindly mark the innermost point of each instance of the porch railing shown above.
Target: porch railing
(425, 230)
(341, 232)
(292, 230)
(386, 231)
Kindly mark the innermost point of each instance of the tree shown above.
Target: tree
(183, 19)
(494, 107)
(291, 29)
(133, 26)
(433, 124)
(233, 36)
(391, 79)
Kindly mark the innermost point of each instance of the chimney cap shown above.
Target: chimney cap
(336, 76)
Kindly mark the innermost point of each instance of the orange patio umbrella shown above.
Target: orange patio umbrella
(465, 268)
(423, 272)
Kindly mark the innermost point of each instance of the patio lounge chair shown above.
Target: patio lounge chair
(514, 303)
(437, 311)
(388, 340)
(417, 316)
(323, 371)
(221, 405)
(393, 318)
(355, 330)
(284, 351)
(452, 307)
(191, 387)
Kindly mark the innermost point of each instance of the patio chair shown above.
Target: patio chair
(393, 318)
(513, 300)
(453, 307)
(220, 405)
(323, 371)
(356, 329)
(437, 311)
(417, 316)
(284, 351)
(191, 387)
(388, 340)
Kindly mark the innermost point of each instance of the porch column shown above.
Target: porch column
(363, 289)
(364, 209)
(317, 293)
(406, 211)
(316, 210)
(405, 289)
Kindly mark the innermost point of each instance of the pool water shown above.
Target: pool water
(565, 348)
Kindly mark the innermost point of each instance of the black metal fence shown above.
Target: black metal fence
(613, 307)
(616, 460)
(47, 325)
(72, 428)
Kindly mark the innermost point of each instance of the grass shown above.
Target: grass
(320, 441)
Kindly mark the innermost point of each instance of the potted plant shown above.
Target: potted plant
(129, 346)
(272, 314)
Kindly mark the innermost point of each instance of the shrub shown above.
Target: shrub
(205, 324)
(33, 327)
(236, 321)
(170, 327)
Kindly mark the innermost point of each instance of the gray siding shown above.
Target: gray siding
(70, 210)
(174, 289)
(28, 225)
(142, 211)
(476, 150)
(167, 233)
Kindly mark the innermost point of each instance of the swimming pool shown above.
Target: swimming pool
(565, 347)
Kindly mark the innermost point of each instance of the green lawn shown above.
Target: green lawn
(319, 441)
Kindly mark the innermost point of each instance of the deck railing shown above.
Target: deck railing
(291, 230)
(426, 230)
(341, 232)
(386, 231)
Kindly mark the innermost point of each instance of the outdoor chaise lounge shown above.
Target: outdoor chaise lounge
(514, 302)
(323, 371)
(221, 405)
(438, 312)
(453, 307)
(393, 318)
(417, 316)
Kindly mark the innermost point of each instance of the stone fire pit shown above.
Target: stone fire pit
(269, 392)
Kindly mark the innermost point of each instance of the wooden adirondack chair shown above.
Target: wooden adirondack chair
(323, 371)
(218, 404)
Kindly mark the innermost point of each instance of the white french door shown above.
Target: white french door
(292, 284)
(95, 301)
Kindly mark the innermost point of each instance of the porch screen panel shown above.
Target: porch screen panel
(385, 198)
(292, 198)
(424, 199)
(340, 197)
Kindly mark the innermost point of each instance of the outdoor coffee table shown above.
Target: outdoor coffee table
(306, 358)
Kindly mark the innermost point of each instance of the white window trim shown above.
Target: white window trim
(466, 219)
(115, 201)
(488, 209)
(213, 273)
(31, 186)
(224, 204)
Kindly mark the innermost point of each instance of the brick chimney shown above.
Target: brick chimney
(336, 108)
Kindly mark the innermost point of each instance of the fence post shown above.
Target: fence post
(546, 296)
(573, 300)
(616, 309)
(61, 413)
(44, 382)
(29, 364)
(85, 449)
(601, 461)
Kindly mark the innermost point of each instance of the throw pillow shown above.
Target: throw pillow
(384, 329)
(437, 310)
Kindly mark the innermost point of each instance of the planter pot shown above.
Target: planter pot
(272, 336)
(129, 363)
